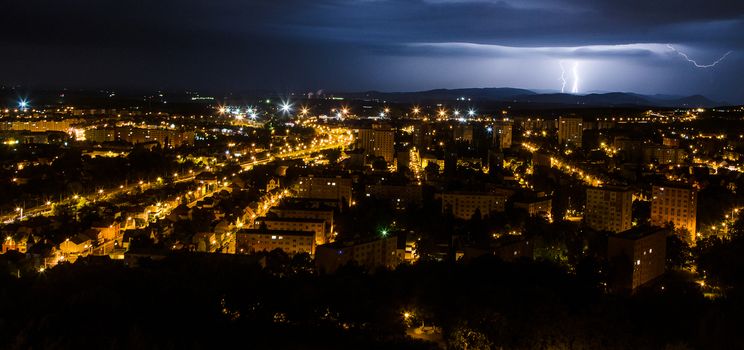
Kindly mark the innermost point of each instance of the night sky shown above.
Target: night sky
(353, 45)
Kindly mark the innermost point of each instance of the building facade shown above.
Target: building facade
(378, 141)
(637, 257)
(570, 131)
(536, 206)
(608, 209)
(676, 205)
(336, 188)
(502, 134)
(380, 252)
(464, 204)
(317, 226)
(291, 242)
(305, 213)
(664, 155)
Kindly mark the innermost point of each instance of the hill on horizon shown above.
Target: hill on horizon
(525, 96)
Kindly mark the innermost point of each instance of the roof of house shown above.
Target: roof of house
(275, 232)
(315, 221)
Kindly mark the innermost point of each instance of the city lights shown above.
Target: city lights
(450, 174)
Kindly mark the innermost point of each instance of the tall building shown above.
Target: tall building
(464, 204)
(675, 204)
(423, 135)
(629, 149)
(100, 135)
(664, 154)
(378, 141)
(463, 133)
(570, 131)
(502, 133)
(608, 208)
(637, 257)
(336, 188)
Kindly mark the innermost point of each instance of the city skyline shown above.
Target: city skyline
(372, 174)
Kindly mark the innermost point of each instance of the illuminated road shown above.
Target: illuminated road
(342, 138)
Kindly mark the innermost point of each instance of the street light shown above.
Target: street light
(285, 107)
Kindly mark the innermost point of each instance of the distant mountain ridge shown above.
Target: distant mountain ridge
(524, 96)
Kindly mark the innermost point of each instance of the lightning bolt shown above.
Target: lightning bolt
(563, 77)
(698, 65)
(575, 88)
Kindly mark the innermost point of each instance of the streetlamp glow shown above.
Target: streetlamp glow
(285, 107)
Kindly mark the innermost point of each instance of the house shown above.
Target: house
(78, 245)
(109, 230)
(19, 244)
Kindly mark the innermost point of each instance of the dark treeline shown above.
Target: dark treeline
(191, 301)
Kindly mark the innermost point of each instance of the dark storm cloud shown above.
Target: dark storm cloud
(345, 43)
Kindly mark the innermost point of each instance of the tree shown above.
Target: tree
(465, 338)
(332, 155)
(379, 164)
(678, 253)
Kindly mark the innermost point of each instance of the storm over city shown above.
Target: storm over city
(372, 174)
